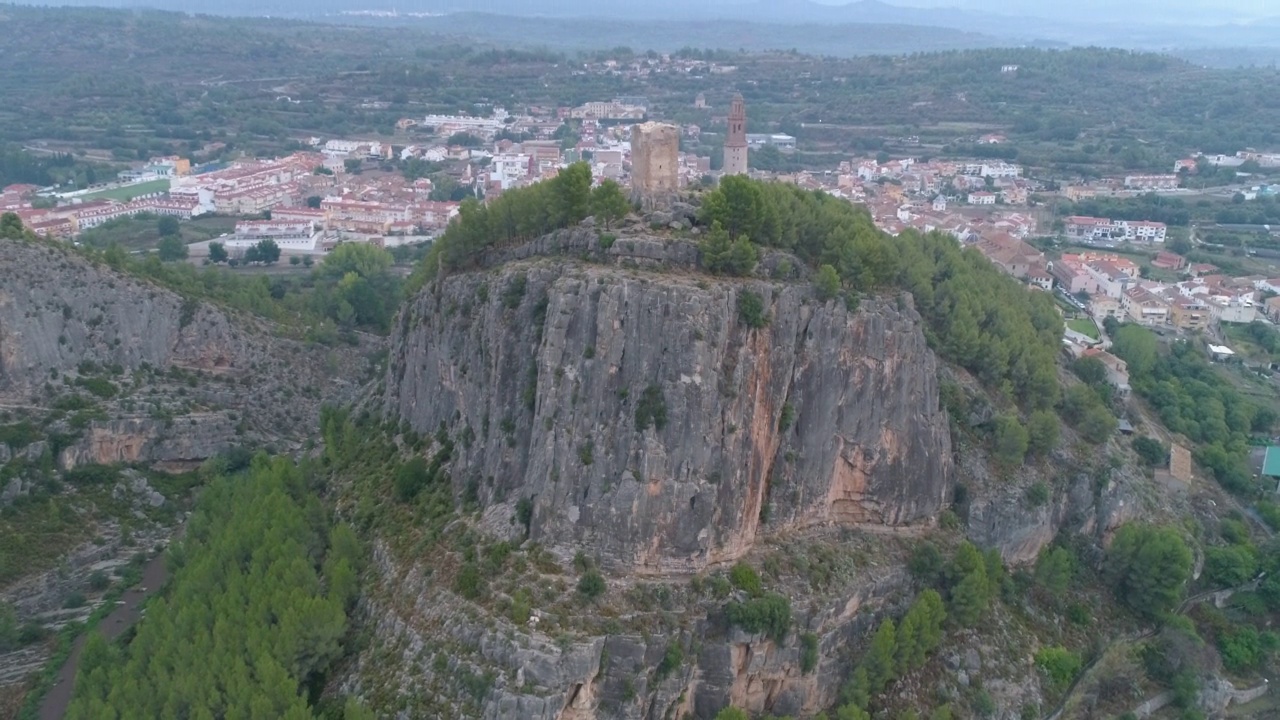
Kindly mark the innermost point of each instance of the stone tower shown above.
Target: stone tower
(655, 149)
(735, 141)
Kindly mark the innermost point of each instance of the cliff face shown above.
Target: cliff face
(189, 378)
(548, 372)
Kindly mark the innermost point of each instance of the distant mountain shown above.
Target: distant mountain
(1137, 24)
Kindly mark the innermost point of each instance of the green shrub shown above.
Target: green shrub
(1010, 440)
(770, 614)
(591, 585)
(98, 386)
(808, 653)
(1038, 494)
(787, 418)
(19, 435)
(1148, 566)
(92, 475)
(514, 292)
(586, 452)
(672, 659)
(469, 584)
(411, 477)
(1151, 451)
(74, 600)
(745, 578)
(751, 310)
(99, 581)
(1059, 665)
(652, 409)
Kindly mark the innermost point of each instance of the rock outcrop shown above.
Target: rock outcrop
(638, 419)
(653, 429)
(187, 378)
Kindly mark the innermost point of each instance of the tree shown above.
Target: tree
(171, 247)
(732, 713)
(971, 592)
(168, 225)
(353, 165)
(1055, 570)
(268, 251)
(1097, 425)
(826, 283)
(880, 658)
(571, 194)
(217, 252)
(314, 201)
(1010, 440)
(1090, 370)
(1042, 432)
(1152, 452)
(1230, 566)
(608, 203)
(1148, 566)
(1137, 346)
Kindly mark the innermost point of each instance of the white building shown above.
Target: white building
(297, 236)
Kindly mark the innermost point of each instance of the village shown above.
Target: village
(391, 193)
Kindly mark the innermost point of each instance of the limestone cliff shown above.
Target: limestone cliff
(187, 378)
(549, 373)
(639, 422)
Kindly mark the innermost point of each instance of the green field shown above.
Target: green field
(1084, 326)
(129, 192)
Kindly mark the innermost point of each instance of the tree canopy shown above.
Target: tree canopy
(256, 609)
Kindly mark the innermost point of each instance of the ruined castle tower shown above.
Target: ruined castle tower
(655, 149)
(735, 141)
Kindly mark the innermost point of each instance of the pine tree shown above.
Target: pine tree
(608, 203)
(879, 660)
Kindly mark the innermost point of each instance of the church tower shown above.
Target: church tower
(735, 141)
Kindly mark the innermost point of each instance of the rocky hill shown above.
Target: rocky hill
(116, 369)
(648, 424)
(628, 413)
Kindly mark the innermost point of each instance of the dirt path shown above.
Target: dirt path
(128, 611)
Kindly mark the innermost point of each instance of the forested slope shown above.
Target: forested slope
(254, 617)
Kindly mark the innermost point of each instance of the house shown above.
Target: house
(992, 139)
(1151, 182)
(1072, 277)
(1076, 193)
(982, 198)
(1188, 164)
(1170, 261)
(1142, 230)
(1271, 307)
(1220, 353)
(1144, 307)
(1104, 306)
(1188, 313)
(1198, 269)
(1012, 255)
(999, 170)
(1038, 276)
(1117, 370)
(1113, 275)
(1235, 309)
(1090, 228)
(940, 204)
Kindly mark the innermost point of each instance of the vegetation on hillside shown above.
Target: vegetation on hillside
(253, 619)
(976, 315)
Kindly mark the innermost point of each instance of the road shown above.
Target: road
(128, 611)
